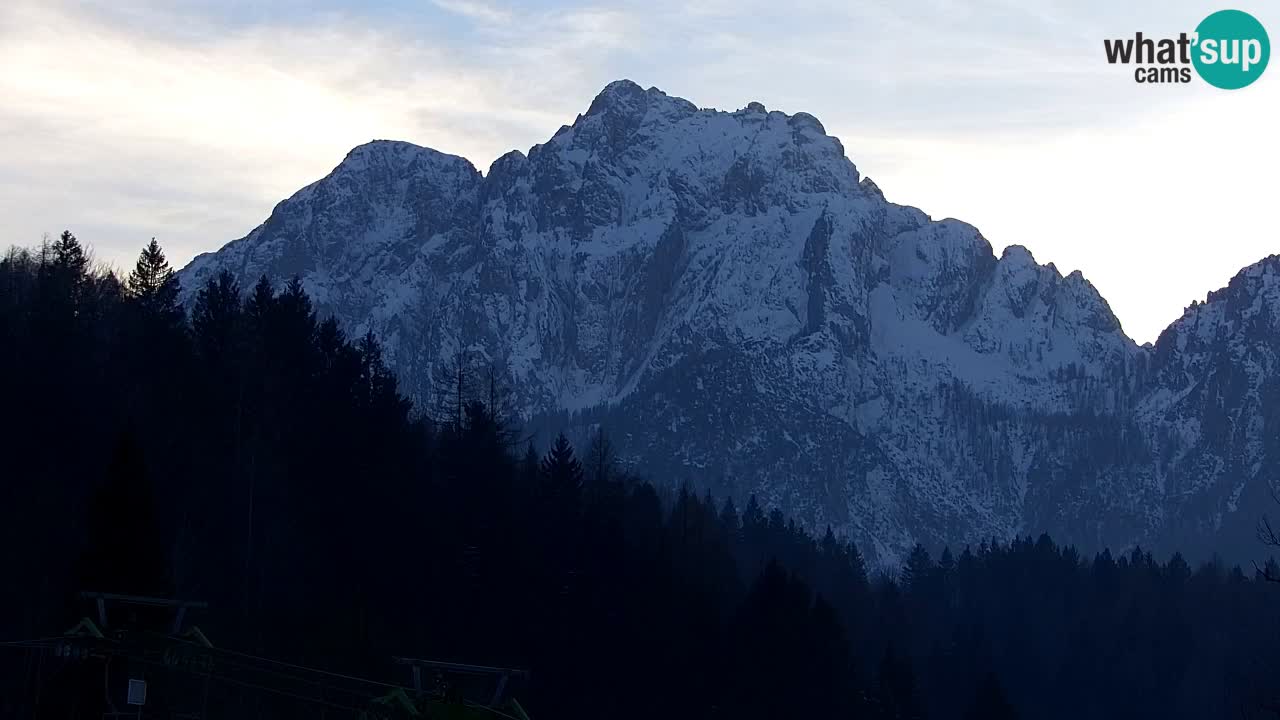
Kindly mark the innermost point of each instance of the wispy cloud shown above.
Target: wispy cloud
(483, 12)
(188, 120)
(126, 133)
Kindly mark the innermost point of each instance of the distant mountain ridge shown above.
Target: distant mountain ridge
(743, 310)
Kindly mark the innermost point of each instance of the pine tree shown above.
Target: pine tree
(709, 519)
(377, 383)
(601, 464)
(64, 277)
(729, 519)
(68, 256)
(153, 286)
(293, 327)
(946, 562)
(684, 516)
(1179, 571)
(261, 302)
(561, 472)
(752, 516)
(857, 564)
(830, 546)
(916, 570)
(296, 303)
(216, 316)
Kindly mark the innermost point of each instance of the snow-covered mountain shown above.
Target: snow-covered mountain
(744, 311)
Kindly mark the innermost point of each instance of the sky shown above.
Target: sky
(188, 121)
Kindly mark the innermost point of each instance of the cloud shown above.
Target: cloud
(132, 131)
(482, 12)
(189, 120)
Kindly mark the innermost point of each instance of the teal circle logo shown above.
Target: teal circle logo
(1232, 49)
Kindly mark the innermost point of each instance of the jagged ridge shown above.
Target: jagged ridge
(747, 312)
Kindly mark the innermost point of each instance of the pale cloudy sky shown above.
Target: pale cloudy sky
(189, 120)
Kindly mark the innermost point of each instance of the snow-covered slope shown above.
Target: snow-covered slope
(747, 313)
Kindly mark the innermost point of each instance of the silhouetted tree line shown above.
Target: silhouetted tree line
(247, 453)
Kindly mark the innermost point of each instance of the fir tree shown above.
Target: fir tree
(917, 569)
(68, 257)
(561, 472)
(601, 462)
(377, 383)
(216, 315)
(830, 546)
(857, 564)
(64, 277)
(729, 519)
(753, 521)
(153, 286)
(301, 495)
(261, 301)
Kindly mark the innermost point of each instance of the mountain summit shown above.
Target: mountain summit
(745, 312)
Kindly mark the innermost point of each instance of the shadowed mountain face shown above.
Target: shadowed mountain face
(745, 312)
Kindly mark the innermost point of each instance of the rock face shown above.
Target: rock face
(745, 312)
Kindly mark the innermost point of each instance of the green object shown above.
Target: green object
(397, 699)
(1231, 49)
(85, 627)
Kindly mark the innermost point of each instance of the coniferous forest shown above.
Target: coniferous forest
(244, 452)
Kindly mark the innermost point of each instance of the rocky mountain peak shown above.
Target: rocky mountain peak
(744, 311)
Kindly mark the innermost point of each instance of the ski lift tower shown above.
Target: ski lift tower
(147, 637)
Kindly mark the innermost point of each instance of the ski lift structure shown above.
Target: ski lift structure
(476, 684)
(156, 664)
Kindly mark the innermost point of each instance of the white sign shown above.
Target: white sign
(137, 692)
